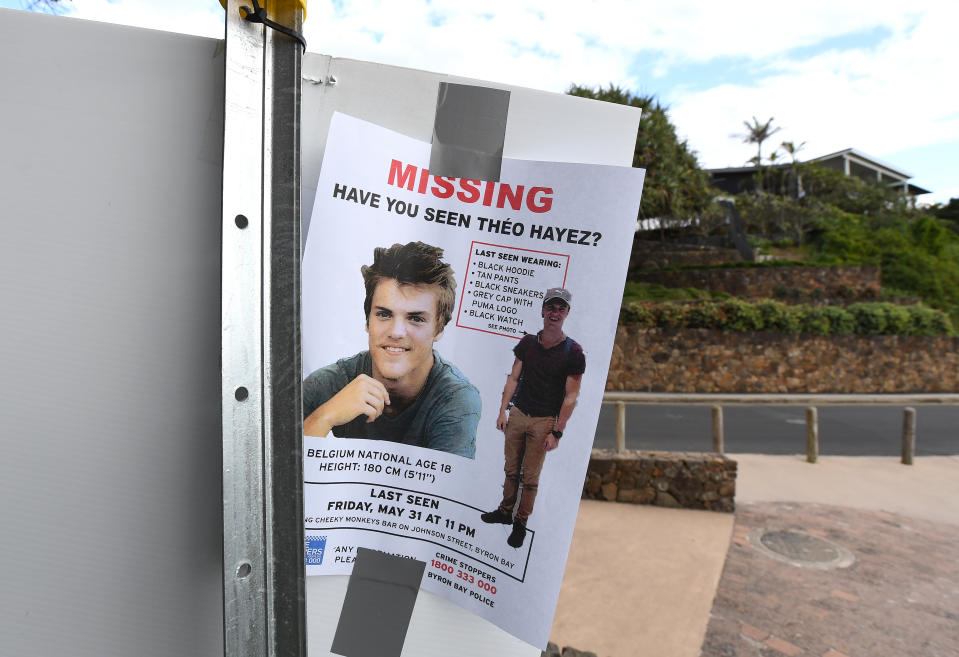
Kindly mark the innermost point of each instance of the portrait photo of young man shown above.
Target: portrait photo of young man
(399, 389)
(538, 399)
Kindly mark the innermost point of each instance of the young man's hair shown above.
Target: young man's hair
(414, 263)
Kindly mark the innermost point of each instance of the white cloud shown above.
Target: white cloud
(882, 99)
(584, 40)
(888, 99)
(517, 46)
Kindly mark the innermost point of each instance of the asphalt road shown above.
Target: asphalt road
(763, 429)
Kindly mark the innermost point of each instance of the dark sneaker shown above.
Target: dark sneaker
(498, 515)
(517, 536)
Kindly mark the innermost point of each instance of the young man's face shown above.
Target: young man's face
(402, 329)
(554, 313)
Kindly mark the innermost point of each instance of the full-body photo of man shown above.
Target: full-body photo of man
(538, 400)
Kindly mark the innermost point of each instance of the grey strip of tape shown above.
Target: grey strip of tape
(378, 605)
(469, 131)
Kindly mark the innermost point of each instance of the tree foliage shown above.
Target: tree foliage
(848, 193)
(842, 220)
(675, 185)
(758, 132)
(948, 212)
(917, 252)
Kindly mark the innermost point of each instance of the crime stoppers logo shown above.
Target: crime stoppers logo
(315, 547)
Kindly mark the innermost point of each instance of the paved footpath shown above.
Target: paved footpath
(899, 525)
(898, 598)
(640, 576)
(677, 583)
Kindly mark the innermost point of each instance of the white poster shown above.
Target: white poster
(456, 340)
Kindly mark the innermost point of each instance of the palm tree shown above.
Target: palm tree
(757, 133)
(773, 160)
(792, 150)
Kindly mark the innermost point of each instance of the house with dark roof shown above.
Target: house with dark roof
(851, 162)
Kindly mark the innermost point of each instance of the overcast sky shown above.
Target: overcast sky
(868, 74)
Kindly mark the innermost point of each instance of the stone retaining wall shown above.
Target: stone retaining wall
(647, 254)
(670, 479)
(703, 360)
(767, 281)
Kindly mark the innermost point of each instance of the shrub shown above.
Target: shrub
(701, 316)
(637, 314)
(778, 316)
(869, 317)
(942, 324)
(669, 315)
(814, 320)
(706, 315)
(742, 316)
(898, 319)
(841, 321)
(922, 320)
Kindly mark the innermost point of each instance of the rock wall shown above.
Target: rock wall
(770, 281)
(648, 254)
(703, 360)
(670, 479)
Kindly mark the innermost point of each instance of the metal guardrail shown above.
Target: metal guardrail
(810, 401)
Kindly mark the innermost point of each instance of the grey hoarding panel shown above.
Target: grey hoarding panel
(110, 340)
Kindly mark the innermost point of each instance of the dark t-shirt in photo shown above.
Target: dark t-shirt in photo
(542, 385)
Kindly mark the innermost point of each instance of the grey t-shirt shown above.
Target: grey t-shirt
(443, 416)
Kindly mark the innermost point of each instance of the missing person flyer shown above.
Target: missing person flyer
(456, 340)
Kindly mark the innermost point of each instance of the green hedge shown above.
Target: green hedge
(735, 315)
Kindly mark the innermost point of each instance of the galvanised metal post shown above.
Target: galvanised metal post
(263, 579)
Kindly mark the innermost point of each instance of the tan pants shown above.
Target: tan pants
(525, 453)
